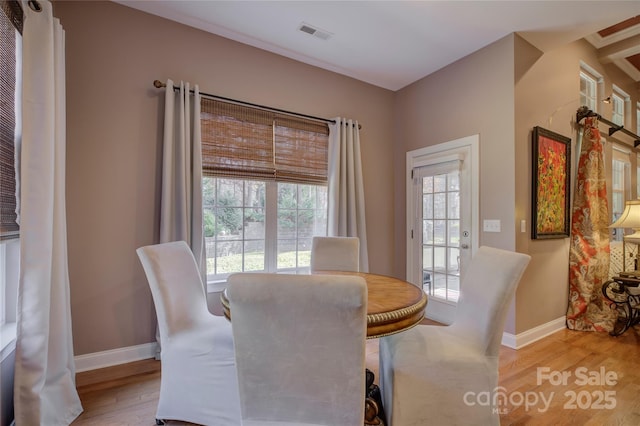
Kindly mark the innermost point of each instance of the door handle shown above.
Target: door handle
(464, 246)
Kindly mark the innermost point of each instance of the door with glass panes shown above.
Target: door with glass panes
(441, 225)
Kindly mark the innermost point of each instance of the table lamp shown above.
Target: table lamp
(630, 218)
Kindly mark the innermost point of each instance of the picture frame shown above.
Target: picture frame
(550, 192)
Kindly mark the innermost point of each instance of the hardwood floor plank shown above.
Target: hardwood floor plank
(128, 394)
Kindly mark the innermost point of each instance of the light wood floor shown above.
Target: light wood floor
(128, 394)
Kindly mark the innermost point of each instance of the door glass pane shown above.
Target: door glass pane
(440, 206)
(440, 286)
(453, 267)
(439, 183)
(427, 206)
(454, 232)
(427, 257)
(427, 231)
(440, 259)
(439, 231)
(453, 181)
(453, 288)
(427, 185)
(441, 234)
(453, 205)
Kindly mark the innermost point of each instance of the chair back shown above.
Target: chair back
(335, 254)
(300, 347)
(487, 288)
(176, 286)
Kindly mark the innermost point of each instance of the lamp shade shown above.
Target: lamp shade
(630, 218)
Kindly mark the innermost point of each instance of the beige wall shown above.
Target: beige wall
(114, 135)
(501, 92)
(547, 95)
(474, 95)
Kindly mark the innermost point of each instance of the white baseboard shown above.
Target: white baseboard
(115, 356)
(527, 337)
(148, 350)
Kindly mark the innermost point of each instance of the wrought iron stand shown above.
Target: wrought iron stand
(624, 292)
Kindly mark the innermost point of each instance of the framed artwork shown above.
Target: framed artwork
(551, 164)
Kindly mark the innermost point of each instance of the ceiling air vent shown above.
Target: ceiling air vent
(314, 31)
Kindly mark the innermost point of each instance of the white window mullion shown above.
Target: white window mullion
(271, 227)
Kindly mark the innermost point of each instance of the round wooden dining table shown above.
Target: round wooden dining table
(393, 305)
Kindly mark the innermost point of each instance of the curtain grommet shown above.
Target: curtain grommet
(34, 5)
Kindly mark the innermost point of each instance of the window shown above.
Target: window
(617, 113)
(439, 189)
(618, 101)
(587, 91)
(620, 184)
(264, 189)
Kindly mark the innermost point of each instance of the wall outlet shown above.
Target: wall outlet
(491, 225)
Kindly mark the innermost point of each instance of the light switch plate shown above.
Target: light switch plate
(491, 225)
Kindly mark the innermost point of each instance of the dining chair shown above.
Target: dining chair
(300, 348)
(437, 374)
(335, 254)
(198, 381)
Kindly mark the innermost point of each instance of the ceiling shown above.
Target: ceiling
(392, 44)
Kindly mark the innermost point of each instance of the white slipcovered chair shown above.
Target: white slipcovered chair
(434, 374)
(198, 381)
(335, 254)
(300, 348)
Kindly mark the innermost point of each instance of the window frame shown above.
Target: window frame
(585, 98)
(9, 241)
(622, 155)
(619, 101)
(291, 150)
(590, 74)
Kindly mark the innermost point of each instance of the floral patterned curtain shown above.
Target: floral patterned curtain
(589, 245)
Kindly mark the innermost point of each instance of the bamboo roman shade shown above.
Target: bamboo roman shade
(11, 13)
(244, 142)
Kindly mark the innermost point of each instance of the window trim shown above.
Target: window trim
(590, 73)
(622, 98)
(9, 277)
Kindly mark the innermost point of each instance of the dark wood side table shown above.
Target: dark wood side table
(624, 291)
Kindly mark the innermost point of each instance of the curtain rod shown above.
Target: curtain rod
(158, 84)
(584, 111)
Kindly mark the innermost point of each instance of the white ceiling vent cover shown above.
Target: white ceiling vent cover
(314, 31)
